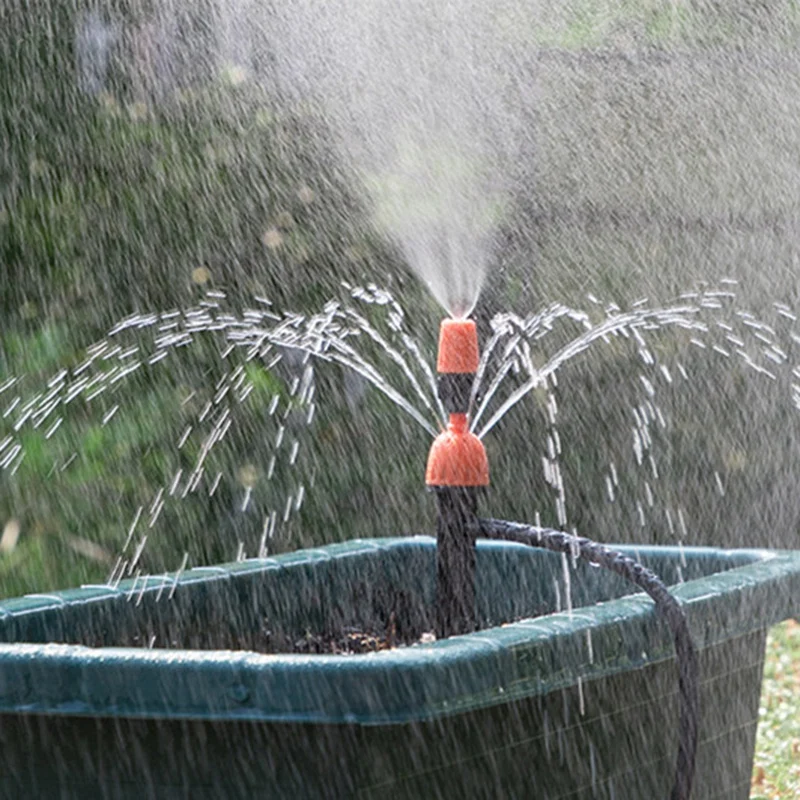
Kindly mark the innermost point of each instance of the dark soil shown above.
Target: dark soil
(347, 640)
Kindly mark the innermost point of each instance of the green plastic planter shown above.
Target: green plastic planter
(561, 704)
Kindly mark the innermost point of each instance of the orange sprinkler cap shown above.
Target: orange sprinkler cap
(457, 457)
(458, 346)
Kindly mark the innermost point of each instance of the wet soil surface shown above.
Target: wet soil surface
(347, 640)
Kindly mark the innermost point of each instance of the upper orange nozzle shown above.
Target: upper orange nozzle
(458, 346)
(457, 457)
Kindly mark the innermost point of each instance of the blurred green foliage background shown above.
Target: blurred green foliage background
(133, 198)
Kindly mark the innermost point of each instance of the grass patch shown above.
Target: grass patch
(776, 767)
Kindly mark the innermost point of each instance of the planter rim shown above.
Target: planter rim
(497, 665)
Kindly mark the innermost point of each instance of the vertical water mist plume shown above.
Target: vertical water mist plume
(421, 99)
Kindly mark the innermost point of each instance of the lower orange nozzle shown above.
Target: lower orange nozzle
(457, 457)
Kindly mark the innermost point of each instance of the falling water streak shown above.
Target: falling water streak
(155, 515)
(132, 590)
(175, 481)
(112, 574)
(178, 576)
(551, 461)
(156, 500)
(10, 456)
(184, 436)
(54, 427)
(141, 592)
(567, 583)
(162, 585)
(14, 403)
(121, 572)
(110, 414)
(132, 528)
(68, 462)
(262, 545)
(246, 501)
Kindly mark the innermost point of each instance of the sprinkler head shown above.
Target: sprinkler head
(457, 457)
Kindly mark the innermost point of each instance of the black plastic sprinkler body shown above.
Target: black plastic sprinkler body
(457, 468)
(455, 560)
(667, 606)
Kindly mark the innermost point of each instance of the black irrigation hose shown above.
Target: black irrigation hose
(666, 604)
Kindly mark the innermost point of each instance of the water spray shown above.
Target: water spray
(457, 468)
